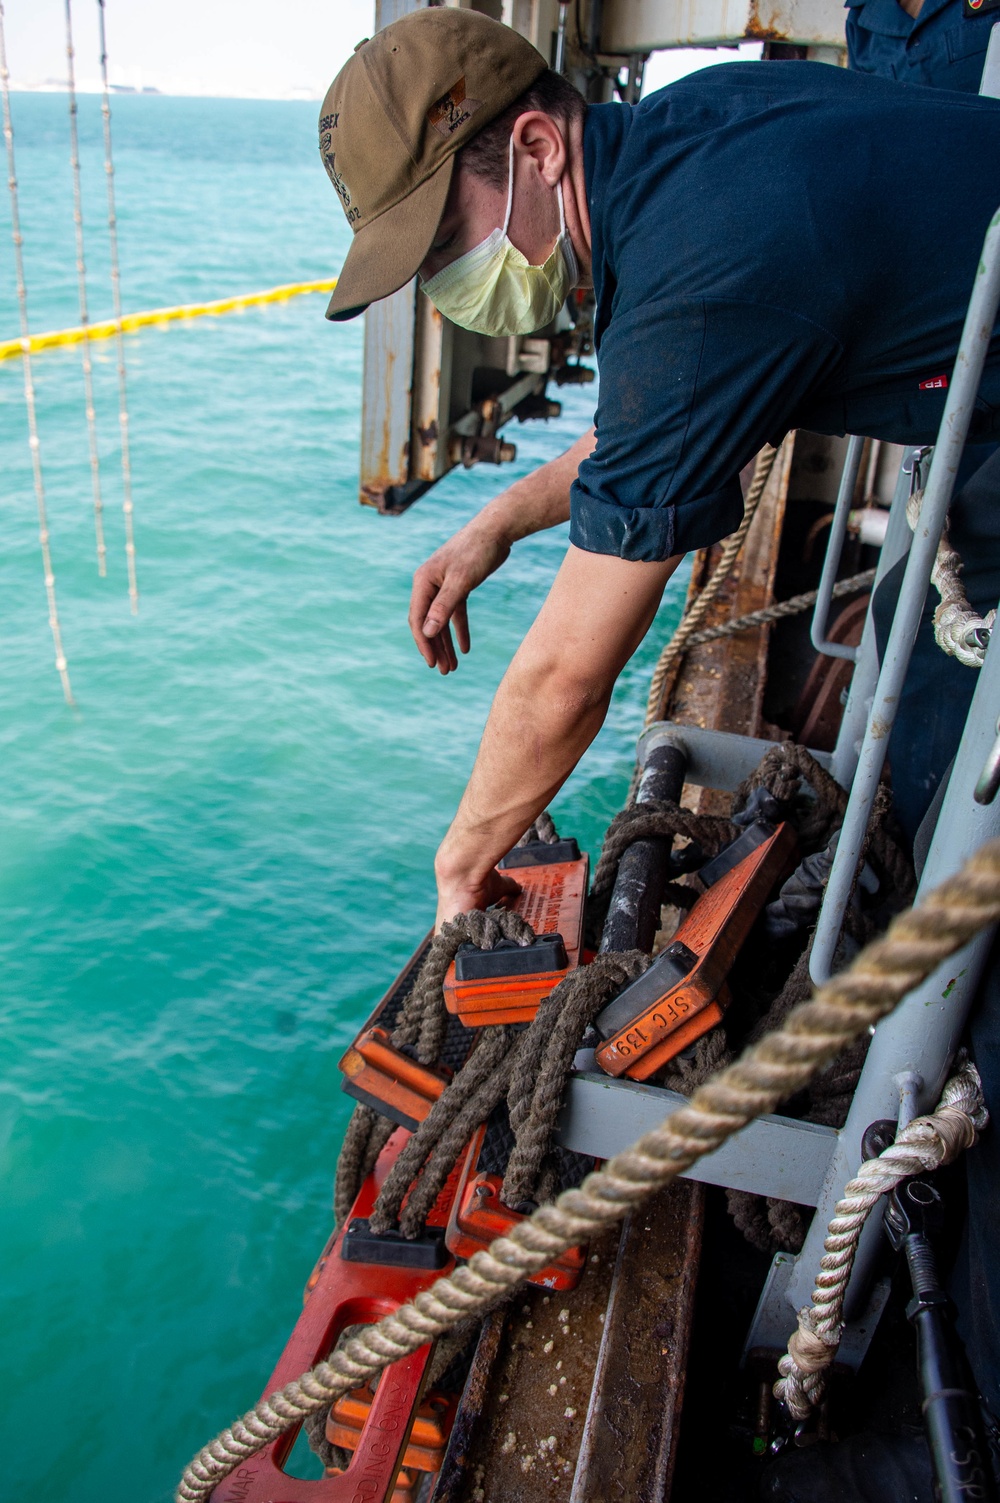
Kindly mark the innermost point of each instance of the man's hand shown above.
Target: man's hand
(547, 710)
(442, 586)
(460, 895)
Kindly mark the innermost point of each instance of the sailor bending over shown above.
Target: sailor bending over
(772, 245)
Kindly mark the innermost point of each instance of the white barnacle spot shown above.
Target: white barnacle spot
(569, 1413)
(564, 1315)
(509, 1442)
(552, 1389)
(548, 1346)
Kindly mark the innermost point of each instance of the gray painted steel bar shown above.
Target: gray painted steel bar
(912, 1049)
(851, 734)
(715, 759)
(772, 1156)
(961, 399)
(831, 563)
(989, 86)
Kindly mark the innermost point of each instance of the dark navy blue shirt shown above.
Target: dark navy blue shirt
(775, 245)
(943, 48)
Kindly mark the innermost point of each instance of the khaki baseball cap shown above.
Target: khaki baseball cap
(390, 126)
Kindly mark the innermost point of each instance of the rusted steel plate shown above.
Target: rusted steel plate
(517, 1433)
(575, 1398)
(644, 25)
(632, 1427)
(386, 394)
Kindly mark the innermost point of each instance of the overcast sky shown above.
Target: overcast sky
(248, 48)
(245, 48)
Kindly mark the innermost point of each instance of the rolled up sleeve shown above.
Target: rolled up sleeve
(651, 533)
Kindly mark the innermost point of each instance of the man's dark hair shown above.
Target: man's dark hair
(486, 153)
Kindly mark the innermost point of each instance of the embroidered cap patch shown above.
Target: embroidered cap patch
(454, 109)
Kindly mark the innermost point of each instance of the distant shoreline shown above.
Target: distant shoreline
(122, 91)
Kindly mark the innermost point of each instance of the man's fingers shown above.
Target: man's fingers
(460, 621)
(425, 588)
(425, 648)
(447, 656)
(450, 598)
(421, 598)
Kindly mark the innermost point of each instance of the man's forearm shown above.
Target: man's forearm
(548, 709)
(539, 500)
(536, 733)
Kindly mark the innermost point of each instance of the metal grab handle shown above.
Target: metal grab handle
(988, 786)
(831, 562)
(969, 362)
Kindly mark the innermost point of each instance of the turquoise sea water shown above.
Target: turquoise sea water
(211, 869)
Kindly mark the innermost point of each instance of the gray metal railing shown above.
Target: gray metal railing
(947, 457)
(831, 563)
(911, 1050)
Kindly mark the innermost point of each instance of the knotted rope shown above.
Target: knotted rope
(543, 829)
(783, 771)
(657, 819)
(693, 617)
(530, 1069)
(421, 1026)
(116, 305)
(34, 441)
(767, 1073)
(959, 630)
(923, 1145)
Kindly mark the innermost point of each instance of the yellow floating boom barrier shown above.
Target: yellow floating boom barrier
(107, 328)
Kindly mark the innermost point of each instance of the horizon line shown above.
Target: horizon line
(149, 91)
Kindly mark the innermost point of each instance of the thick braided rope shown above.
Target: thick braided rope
(692, 619)
(959, 630)
(421, 1025)
(656, 820)
(922, 1146)
(793, 606)
(543, 829)
(538, 1083)
(430, 1154)
(529, 1068)
(766, 1074)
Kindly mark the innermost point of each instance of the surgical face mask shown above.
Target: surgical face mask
(493, 289)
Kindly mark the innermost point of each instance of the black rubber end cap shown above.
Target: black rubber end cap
(361, 1245)
(540, 853)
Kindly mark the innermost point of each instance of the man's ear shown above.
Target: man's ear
(543, 138)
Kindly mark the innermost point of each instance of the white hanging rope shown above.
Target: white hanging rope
(81, 278)
(116, 291)
(922, 1145)
(29, 385)
(959, 630)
